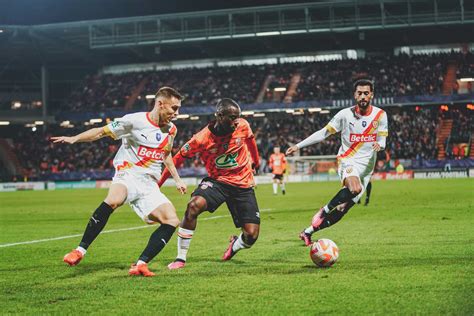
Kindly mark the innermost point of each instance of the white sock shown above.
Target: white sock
(141, 262)
(275, 188)
(184, 240)
(309, 230)
(282, 186)
(81, 250)
(239, 244)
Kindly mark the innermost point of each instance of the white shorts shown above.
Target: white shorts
(349, 168)
(143, 193)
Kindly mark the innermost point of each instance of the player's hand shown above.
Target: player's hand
(181, 186)
(63, 139)
(291, 150)
(255, 168)
(376, 147)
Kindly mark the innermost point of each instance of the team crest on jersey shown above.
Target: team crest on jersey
(238, 141)
(364, 123)
(158, 137)
(206, 184)
(349, 170)
(226, 161)
(375, 124)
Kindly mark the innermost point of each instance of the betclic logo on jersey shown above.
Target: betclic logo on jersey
(362, 138)
(152, 153)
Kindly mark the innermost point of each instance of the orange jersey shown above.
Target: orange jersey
(227, 158)
(277, 163)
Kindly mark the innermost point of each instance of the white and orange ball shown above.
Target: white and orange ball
(324, 252)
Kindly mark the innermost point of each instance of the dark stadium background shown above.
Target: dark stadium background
(410, 251)
(35, 50)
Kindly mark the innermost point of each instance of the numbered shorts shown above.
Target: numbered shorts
(351, 167)
(241, 202)
(143, 193)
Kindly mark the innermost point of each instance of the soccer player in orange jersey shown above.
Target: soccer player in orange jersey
(277, 163)
(228, 149)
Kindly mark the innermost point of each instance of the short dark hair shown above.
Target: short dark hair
(363, 82)
(168, 93)
(225, 104)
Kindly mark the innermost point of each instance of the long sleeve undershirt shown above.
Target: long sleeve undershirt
(314, 138)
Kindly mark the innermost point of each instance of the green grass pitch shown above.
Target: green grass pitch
(411, 251)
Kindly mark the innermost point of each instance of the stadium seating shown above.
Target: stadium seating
(401, 75)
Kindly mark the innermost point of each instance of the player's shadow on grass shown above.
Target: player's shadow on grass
(88, 268)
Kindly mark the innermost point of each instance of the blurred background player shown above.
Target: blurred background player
(147, 139)
(277, 164)
(364, 129)
(368, 190)
(228, 149)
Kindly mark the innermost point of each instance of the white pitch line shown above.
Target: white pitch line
(104, 232)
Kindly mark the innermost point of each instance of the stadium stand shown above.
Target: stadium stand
(411, 137)
(401, 75)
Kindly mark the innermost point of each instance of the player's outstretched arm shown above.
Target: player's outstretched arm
(178, 160)
(314, 138)
(171, 169)
(87, 136)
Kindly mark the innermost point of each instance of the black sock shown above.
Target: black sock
(343, 196)
(248, 240)
(157, 242)
(96, 224)
(369, 189)
(334, 217)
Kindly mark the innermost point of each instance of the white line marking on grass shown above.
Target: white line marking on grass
(104, 232)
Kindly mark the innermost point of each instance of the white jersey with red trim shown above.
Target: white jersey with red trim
(359, 132)
(144, 144)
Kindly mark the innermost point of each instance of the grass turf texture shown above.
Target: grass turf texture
(410, 251)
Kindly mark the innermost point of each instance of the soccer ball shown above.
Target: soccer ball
(324, 252)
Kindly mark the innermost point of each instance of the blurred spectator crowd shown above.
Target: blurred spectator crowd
(412, 135)
(401, 75)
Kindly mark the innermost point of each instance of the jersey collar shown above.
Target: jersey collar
(368, 113)
(149, 120)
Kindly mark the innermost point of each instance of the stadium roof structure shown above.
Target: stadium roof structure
(145, 38)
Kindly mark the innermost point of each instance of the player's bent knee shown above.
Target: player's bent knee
(251, 234)
(356, 190)
(194, 208)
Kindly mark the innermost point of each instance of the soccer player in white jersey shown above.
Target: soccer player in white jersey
(364, 129)
(147, 139)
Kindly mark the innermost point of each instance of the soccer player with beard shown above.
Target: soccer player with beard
(228, 149)
(147, 139)
(364, 129)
